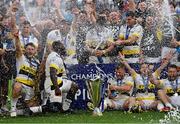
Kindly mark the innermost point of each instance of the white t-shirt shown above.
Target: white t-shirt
(54, 60)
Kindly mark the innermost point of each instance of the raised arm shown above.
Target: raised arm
(57, 10)
(165, 62)
(19, 51)
(14, 30)
(123, 61)
(153, 79)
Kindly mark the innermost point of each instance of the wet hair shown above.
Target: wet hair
(65, 21)
(144, 63)
(3, 11)
(172, 3)
(130, 13)
(26, 23)
(119, 66)
(29, 44)
(172, 66)
(14, 1)
(59, 47)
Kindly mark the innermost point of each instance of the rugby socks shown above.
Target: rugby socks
(20, 112)
(107, 103)
(36, 109)
(26, 111)
(66, 101)
(13, 104)
(169, 105)
(13, 107)
(66, 104)
(160, 106)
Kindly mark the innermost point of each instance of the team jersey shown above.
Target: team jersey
(115, 30)
(145, 90)
(99, 37)
(54, 60)
(171, 87)
(29, 39)
(127, 80)
(71, 45)
(27, 70)
(54, 35)
(131, 52)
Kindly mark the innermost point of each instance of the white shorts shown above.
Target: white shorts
(119, 101)
(29, 92)
(175, 100)
(51, 93)
(148, 103)
(147, 99)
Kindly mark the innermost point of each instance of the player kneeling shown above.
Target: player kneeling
(60, 91)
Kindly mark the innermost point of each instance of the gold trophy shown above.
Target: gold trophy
(94, 89)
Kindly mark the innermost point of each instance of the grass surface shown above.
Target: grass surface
(86, 117)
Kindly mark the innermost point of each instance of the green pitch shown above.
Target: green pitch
(86, 117)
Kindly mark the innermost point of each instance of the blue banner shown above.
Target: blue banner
(81, 73)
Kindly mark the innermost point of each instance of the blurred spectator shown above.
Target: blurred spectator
(131, 5)
(26, 35)
(99, 41)
(83, 25)
(151, 43)
(114, 24)
(44, 27)
(8, 60)
(168, 27)
(90, 10)
(22, 19)
(141, 13)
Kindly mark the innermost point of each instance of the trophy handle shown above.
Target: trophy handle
(89, 88)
